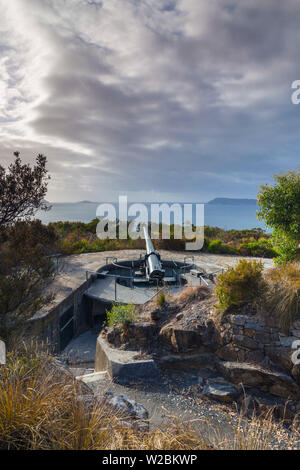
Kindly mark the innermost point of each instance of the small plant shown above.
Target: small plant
(240, 285)
(283, 298)
(121, 315)
(161, 299)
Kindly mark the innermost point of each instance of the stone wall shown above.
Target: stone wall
(246, 338)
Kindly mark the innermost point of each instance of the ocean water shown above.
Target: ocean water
(226, 216)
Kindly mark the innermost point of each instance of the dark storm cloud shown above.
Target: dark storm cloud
(186, 98)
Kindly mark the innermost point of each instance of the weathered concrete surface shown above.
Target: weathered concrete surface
(81, 349)
(92, 377)
(72, 269)
(105, 289)
(70, 285)
(187, 361)
(120, 363)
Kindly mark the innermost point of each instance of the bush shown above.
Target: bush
(287, 248)
(240, 285)
(262, 248)
(283, 297)
(216, 246)
(161, 299)
(121, 315)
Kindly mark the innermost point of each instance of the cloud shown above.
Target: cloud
(181, 99)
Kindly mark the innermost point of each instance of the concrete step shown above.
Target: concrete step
(93, 377)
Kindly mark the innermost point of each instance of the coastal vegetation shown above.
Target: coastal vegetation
(280, 209)
(78, 237)
(276, 293)
(25, 244)
(240, 285)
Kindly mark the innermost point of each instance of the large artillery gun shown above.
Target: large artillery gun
(153, 265)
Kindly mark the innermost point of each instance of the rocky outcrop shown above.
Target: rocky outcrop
(274, 382)
(139, 335)
(175, 338)
(131, 413)
(243, 347)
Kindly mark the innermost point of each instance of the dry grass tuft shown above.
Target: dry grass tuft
(192, 293)
(283, 297)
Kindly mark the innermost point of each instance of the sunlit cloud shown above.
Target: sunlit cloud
(178, 99)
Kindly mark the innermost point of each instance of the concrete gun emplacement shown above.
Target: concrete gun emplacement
(153, 264)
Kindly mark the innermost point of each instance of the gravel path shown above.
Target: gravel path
(176, 394)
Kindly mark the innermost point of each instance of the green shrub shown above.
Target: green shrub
(161, 299)
(216, 246)
(240, 285)
(286, 247)
(121, 314)
(263, 248)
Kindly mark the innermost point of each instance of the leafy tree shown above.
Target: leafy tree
(25, 269)
(22, 189)
(25, 245)
(280, 209)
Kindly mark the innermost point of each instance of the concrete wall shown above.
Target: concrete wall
(45, 325)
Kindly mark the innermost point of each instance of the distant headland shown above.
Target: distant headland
(231, 201)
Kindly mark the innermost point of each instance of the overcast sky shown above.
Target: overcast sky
(175, 100)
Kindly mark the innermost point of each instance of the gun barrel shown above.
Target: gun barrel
(155, 270)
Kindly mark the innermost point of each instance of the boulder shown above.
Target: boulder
(132, 414)
(142, 334)
(221, 390)
(180, 339)
(126, 406)
(274, 382)
(279, 356)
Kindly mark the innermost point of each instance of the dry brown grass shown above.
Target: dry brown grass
(39, 409)
(190, 294)
(283, 297)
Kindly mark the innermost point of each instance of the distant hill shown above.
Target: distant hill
(233, 202)
(87, 202)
